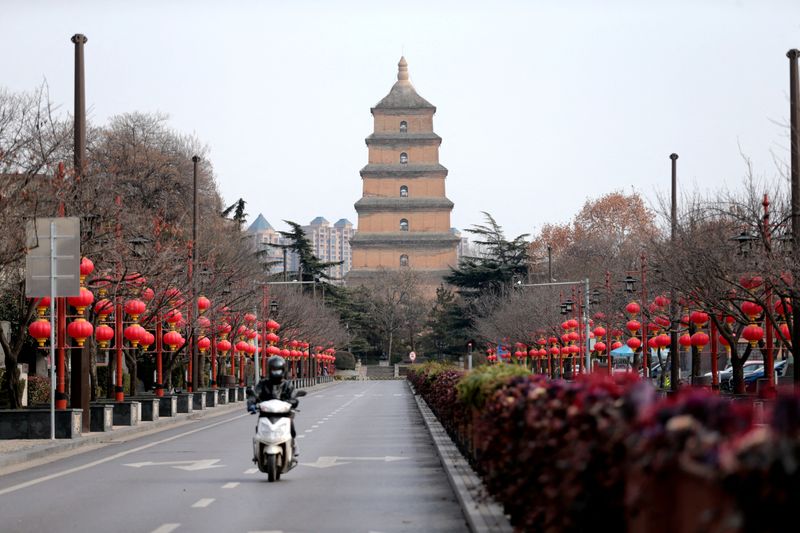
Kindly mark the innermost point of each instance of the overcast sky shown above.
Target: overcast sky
(540, 105)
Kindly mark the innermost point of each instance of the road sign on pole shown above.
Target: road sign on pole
(61, 261)
(52, 268)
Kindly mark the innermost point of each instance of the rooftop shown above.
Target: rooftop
(259, 224)
(403, 95)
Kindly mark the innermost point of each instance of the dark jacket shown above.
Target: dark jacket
(265, 391)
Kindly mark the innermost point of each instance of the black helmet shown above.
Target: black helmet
(276, 367)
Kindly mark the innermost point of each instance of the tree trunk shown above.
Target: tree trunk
(391, 338)
(12, 348)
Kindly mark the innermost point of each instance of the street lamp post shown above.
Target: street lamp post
(794, 134)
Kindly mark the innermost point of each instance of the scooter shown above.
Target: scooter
(272, 443)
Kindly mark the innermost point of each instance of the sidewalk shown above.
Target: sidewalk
(16, 451)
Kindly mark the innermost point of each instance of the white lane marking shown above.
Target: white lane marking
(203, 502)
(398, 395)
(166, 528)
(251, 471)
(315, 426)
(113, 457)
(301, 436)
(231, 485)
(190, 466)
(309, 430)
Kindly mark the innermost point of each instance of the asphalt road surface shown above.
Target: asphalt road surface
(367, 464)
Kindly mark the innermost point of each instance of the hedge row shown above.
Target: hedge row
(606, 451)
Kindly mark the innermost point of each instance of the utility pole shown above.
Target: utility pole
(80, 378)
(794, 135)
(196, 371)
(675, 366)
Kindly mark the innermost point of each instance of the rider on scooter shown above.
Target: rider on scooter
(274, 387)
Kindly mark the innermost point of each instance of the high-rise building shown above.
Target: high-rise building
(329, 243)
(332, 244)
(403, 215)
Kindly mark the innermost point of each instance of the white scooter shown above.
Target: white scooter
(272, 443)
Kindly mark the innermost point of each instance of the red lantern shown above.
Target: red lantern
(203, 344)
(600, 347)
(172, 294)
(174, 316)
(753, 334)
(700, 339)
(284, 353)
(572, 323)
(751, 282)
(134, 334)
(663, 340)
(135, 308)
(203, 322)
(661, 301)
(273, 350)
(147, 339)
(780, 307)
(251, 334)
(685, 340)
(173, 339)
(633, 308)
(599, 331)
(651, 342)
(223, 346)
(42, 305)
(271, 337)
(249, 318)
(565, 324)
(533, 352)
(148, 294)
(241, 346)
(104, 334)
(785, 332)
(40, 330)
(573, 336)
(699, 318)
(751, 309)
(135, 279)
(633, 325)
(554, 351)
(542, 352)
(662, 321)
(86, 268)
(81, 302)
(103, 308)
(272, 325)
(634, 343)
(724, 341)
(251, 349)
(80, 330)
(224, 329)
(615, 345)
(203, 304)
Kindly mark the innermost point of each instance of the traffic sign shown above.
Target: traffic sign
(53, 255)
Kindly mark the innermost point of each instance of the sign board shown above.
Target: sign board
(65, 243)
(412, 355)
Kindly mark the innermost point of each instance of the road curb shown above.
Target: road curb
(483, 513)
(125, 432)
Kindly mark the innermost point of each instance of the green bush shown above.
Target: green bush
(479, 384)
(38, 390)
(345, 361)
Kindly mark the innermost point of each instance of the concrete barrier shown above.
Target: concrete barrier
(222, 396)
(211, 398)
(240, 394)
(199, 400)
(185, 402)
(101, 417)
(231, 395)
(168, 405)
(127, 413)
(150, 407)
(35, 423)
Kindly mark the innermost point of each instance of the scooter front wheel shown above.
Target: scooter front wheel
(272, 468)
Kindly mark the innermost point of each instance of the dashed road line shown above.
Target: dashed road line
(166, 528)
(203, 502)
(231, 485)
(251, 471)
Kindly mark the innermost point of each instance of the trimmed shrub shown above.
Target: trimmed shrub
(38, 390)
(345, 361)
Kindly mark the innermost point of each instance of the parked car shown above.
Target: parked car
(751, 379)
(727, 373)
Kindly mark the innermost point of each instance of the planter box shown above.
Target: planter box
(199, 398)
(211, 398)
(127, 413)
(101, 417)
(168, 406)
(35, 423)
(185, 402)
(222, 396)
(150, 407)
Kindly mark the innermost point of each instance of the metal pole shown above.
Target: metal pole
(159, 353)
(675, 364)
(52, 330)
(769, 361)
(549, 264)
(794, 132)
(257, 357)
(196, 371)
(588, 365)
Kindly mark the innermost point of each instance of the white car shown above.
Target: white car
(750, 367)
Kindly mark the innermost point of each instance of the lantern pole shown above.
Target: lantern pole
(675, 364)
(794, 136)
(118, 389)
(769, 362)
(52, 330)
(645, 325)
(159, 352)
(714, 356)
